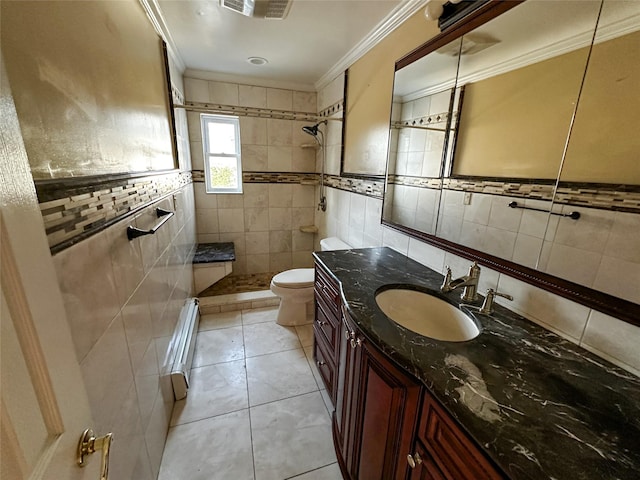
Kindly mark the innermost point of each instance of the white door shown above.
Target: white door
(43, 402)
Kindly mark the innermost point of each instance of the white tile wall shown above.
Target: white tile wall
(121, 328)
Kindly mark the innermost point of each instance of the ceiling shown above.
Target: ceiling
(300, 49)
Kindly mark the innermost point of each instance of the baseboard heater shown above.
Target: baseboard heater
(183, 344)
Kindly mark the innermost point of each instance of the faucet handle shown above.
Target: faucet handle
(474, 270)
(447, 280)
(487, 305)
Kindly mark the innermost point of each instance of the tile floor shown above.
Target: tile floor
(256, 409)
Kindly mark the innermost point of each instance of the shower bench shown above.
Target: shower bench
(212, 262)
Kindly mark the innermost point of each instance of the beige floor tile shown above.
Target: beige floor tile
(269, 337)
(330, 472)
(214, 321)
(217, 346)
(214, 390)
(279, 375)
(291, 437)
(218, 448)
(308, 351)
(305, 334)
(259, 315)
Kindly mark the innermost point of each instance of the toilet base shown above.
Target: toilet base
(293, 305)
(292, 314)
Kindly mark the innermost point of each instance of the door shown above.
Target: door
(43, 402)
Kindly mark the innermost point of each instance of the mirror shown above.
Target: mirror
(421, 138)
(600, 177)
(518, 86)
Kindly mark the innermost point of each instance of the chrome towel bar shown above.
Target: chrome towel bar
(572, 215)
(133, 232)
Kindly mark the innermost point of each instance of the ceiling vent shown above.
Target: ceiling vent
(266, 9)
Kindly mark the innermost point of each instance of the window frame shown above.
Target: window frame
(205, 120)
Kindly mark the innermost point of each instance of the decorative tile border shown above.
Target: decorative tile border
(332, 109)
(624, 198)
(221, 109)
(434, 120)
(537, 189)
(419, 182)
(371, 188)
(71, 213)
(269, 177)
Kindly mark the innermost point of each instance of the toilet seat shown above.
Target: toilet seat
(296, 278)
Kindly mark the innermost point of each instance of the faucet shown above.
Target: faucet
(469, 282)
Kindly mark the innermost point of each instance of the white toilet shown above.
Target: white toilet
(295, 287)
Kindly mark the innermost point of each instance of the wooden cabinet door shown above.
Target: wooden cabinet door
(376, 410)
(343, 419)
(386, 412)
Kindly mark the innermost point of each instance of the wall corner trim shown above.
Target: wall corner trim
(154, 12)
(401, 13)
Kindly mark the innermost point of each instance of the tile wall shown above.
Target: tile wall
(264, 221)
(355, 218)
(123, 299)
(596, 250)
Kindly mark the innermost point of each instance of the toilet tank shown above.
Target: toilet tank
(333, 243)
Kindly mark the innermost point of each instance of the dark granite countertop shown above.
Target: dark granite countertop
(215, 252)
(540, 406)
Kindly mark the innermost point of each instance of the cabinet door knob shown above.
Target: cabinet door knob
(322, 323)
(320, 363)
(414, 460)
(356, 342)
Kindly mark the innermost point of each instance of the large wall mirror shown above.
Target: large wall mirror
(531, 168)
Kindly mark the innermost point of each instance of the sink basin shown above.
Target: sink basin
(427, 315)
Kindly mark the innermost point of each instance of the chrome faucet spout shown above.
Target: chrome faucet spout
(469, 282)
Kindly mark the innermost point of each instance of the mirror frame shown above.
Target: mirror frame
(622, 309)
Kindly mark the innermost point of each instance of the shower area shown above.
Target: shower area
(272, 223)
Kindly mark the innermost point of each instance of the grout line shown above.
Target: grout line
(209, 417)
(309, 471)
(286, 398)
(246, 376)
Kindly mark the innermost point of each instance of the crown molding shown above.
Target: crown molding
(154, 12)
(247, 80)
(392, 21)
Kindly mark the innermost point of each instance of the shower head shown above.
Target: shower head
(313, 129)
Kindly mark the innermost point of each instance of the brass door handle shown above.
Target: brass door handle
(89, 444)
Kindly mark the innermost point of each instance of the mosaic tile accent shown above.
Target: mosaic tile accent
(248, 111)
(624, 198)
(332, 109)
(78, 213)
(269, 177)
(371, 188)
(420, 182)
(538, 190)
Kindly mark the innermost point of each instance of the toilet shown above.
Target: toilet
(295, 288)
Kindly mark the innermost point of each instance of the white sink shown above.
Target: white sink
(427, 315)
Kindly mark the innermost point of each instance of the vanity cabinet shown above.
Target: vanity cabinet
(386, 424)
(376, 410)
(326, 328)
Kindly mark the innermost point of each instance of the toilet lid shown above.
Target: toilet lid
(296, 278)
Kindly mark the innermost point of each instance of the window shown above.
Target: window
(222, 163)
